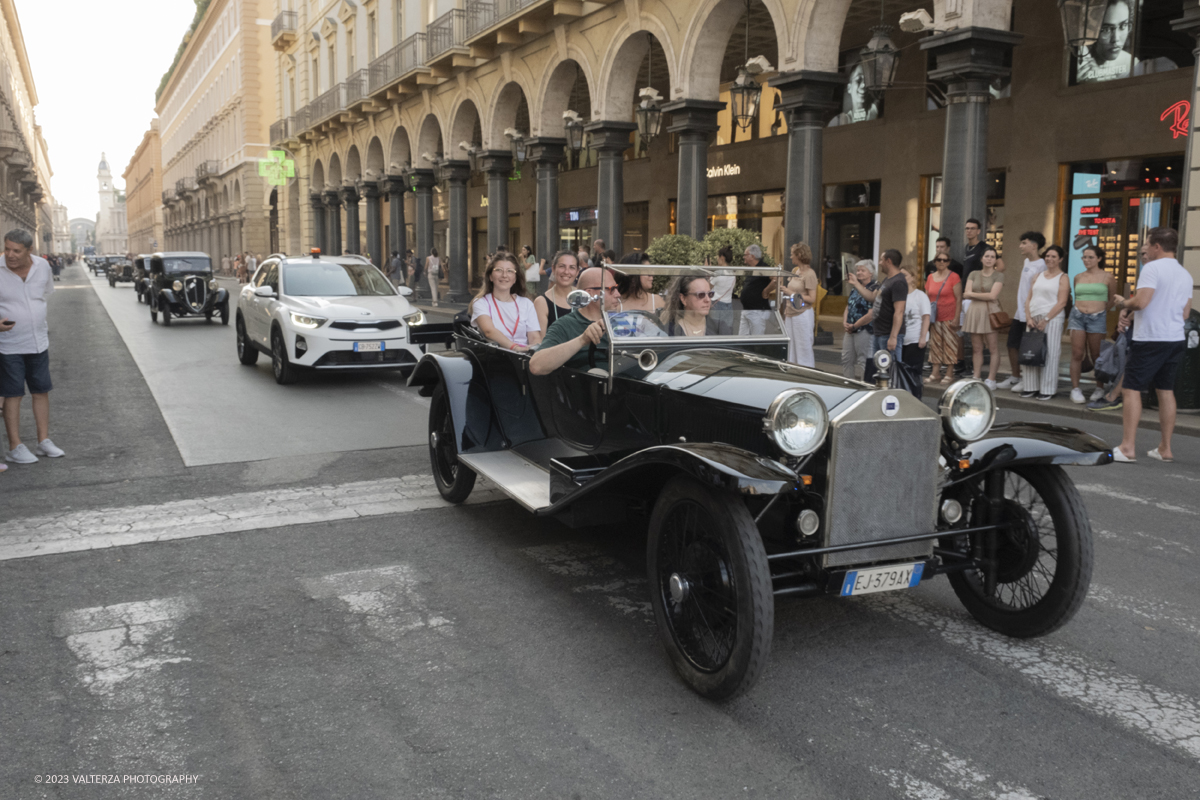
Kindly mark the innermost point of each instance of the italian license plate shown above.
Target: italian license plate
(368, 347)
(882, 579)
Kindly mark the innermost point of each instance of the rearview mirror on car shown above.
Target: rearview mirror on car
(405, 291)
(264, 291)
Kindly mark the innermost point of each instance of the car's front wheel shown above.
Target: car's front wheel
(225, 313)
(281, 367)
(166, 313)
(1036, 568)
(710, 587)
(454, 480)
(153, 308)
(247, 353)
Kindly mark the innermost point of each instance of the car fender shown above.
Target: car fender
(1027, 443)
(222, 296)
(168, 296)
(476, 428)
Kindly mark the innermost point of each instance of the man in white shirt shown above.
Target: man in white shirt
(1031, 243)
(26, 281)
(1163, 301)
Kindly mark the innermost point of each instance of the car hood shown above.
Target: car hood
(746, 379)
(382, 307)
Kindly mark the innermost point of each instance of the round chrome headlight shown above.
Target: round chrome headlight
(797, 421)
(213, 284)
(177, 286)
(968, 410)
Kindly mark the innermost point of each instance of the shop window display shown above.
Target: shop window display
(1136, 38)
(851, 231)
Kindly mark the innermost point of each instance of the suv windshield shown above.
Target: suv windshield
(323, 279)
(195, 264)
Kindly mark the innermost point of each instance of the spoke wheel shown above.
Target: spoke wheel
(247, 353)
(710, 588)
(281, 367)
(454, 480)
(1042, 554)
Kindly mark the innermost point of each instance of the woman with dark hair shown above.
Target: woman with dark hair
(723, 285)
(533, 273)
(501, 310)
(983, 289)
(1044, 312)
(1095, 292)
(564, 269)
(689, 301)
(637, 291)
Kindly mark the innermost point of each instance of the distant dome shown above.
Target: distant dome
(103, 163)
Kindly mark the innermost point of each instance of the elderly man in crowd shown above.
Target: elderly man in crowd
(26, 281)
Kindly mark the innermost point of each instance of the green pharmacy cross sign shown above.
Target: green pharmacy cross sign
(277, 167)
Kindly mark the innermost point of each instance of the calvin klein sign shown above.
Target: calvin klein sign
(724, 171)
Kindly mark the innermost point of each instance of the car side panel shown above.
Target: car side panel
(476, 427)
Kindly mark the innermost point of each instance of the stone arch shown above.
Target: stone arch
(237, 194)
(505, 105)
(560, 79)
(400, 150)
(334, 176)
(464, 127)
(225, 198)
(318, 177)
(430, 141)
(353, 164)
(817, 35)
(710, 32)
(375, 164)
(617, 89)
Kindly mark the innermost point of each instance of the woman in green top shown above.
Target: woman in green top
(1095, 292)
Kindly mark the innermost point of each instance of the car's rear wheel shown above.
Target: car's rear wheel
(454, 479)
(247, 352)
(1042, 552)
(281, 367)
(710, 587)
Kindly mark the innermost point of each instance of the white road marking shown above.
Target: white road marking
(1166, 717)
(400, 391)
(74, 531)
(1146, 541)
(949, 775)
(122, 650)
(608, 577)
(1159, 612)
(1099, 488)
(386, 598)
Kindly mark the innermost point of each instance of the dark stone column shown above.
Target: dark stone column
(423, 181)
(349, 196)
(807, 97)
(457, 173)
(968, 60)
(1189, 236)
(546, 154)
(333, 223)
(374, 238)
(498, 165)
(610, 140)
(396, 188)
(694, 121)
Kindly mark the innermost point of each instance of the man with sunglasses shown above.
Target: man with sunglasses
(570, 337)
(943, 254)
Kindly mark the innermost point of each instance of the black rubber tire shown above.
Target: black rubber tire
(724, 567)
(166, 314)
(281, 367)
(454, 480)
(247, 352)
(225, 313)
(153, 309)
(1061, 593)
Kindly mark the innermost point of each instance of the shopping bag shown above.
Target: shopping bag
(1033, 349)
(904, 377)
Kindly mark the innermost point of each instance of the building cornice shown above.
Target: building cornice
(14, 25)
(203, 29)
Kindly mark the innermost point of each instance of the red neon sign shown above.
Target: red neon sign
(1179, 113)
(1090, 210)
(1089, 231)
(1105, 220)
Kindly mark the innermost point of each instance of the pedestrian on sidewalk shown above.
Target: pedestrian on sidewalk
(433, 268)
(756, 309)
(1163, 301)
(888, 327)
(225, 265)
(799, 297)
(1111, 401)
(1095, 294)
(1031, 244)
(395, 267)
(972, 253)
(917, 312)
(533, 272)
(722, 307)
(942, 246)
(944, 289)
(983, 291)
(26, 281)
(858, 316)
(1044, 311)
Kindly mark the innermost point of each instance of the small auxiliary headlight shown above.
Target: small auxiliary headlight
(797, 421)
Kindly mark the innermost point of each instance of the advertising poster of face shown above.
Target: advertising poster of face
(1111, 57)
(858, 104)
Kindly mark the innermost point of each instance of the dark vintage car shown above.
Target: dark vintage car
(141, 276)
(120, 271)
(182, 285)
(761, 479)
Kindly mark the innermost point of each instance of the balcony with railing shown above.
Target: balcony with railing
(446, 34)
(402, 62)
(168, 197)
(358, 91)
(278, 132)
(283, 30)
(11, 142)
(208, 170)
(328, 105)
(185, 185)
(503, 24)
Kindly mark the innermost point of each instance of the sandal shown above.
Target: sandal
(946, 381)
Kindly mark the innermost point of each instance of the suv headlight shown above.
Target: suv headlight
(177, 286)
(797, 421)
(968, 410)
(305, 321)
(415, 318)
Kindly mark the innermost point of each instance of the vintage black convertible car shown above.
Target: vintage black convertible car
(181, 285)
(120, 271)
(762, 479)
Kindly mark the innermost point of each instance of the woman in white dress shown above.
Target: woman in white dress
(433, 269)
(1044, 311)
(501, 311)
(799, 297)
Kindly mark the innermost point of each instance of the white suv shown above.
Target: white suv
(327, 313)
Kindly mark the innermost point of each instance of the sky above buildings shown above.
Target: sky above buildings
(96, 64)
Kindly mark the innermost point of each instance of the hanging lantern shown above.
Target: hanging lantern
(744, 96)
(574, 126)
(880, 58)
(518, 144)
(649, 115)
(1082, 20)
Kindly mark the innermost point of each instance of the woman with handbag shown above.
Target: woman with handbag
(983, 289)
(1095, 294)
(799, 297)
(1044, 312)
(944, 289)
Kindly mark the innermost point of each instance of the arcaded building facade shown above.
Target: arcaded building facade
(143, 193)
(25, 200)
(213, 122)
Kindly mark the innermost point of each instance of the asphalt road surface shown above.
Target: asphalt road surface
(256, 591)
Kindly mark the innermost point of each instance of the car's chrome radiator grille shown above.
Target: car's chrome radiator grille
(195, 292)
(883, 485)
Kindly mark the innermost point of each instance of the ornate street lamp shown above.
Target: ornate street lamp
(744, 96)
(648, 112)
(880, 58)
(518, 144)
(472, 155)
(1082, 20)
(574, 125)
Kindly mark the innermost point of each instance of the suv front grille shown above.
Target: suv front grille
(346, 358)
(373, 324)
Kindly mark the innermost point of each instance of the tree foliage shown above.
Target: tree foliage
(738, 240)
(201, 7)
(675, 249)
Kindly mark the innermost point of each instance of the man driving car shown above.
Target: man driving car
(570, 337)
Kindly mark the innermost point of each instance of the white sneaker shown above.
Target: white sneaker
(991, 384)
(48, 448)
(1019, 386)
(1077, 396)
(1008, 382)
(20, 455)
(1097, 395)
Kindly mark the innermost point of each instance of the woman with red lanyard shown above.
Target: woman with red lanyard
(501, 311)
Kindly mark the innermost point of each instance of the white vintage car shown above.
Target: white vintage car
(325, 313)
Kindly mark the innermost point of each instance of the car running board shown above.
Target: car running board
(517, 476)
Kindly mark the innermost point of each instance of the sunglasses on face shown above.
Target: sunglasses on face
(597, 289)
(941, 261)
(701, 295)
